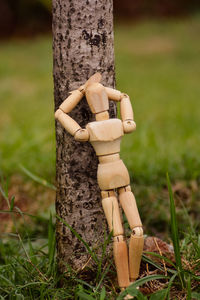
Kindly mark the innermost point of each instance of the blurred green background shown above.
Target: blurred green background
(157, 63)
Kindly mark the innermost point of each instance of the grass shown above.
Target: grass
(28, 267)
(158, 65)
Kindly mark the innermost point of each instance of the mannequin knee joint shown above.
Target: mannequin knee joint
(138, 231)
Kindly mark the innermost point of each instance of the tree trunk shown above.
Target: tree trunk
(82, 45)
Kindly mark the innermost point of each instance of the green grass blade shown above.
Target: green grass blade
(192, 275)
(4, 291)
(174, 232)
(196, 246)
(170, 284)
(32, 252)
(189, 293)
(51, 243)
(103, 293)
(136, 293)
(160, 295)
(10, 283)
(31, 284)
(161, 257)
(84, 283)
(12, 201)
(140, 282)
(104, 246)
(103, 276)
(38, 179)
(84, 296)
(151, 262)
(4, 191)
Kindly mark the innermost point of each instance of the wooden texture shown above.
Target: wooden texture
(67, 122)
(135, 253)
(112, 175)
(82, 46)
(126, 110)
(109, 158)
(102, 116)
(128, 203)
(106, 130)
(121, 262)
(129, 126)
(93, 79)
(81, 135)
(106, 194)
(106, 148)
(105, 136)
(97, 98)
(113, 94)
(112, 213)
(71, 101)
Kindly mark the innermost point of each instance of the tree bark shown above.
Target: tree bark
(82, 45)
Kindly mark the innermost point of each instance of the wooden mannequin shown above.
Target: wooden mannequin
(105, 136)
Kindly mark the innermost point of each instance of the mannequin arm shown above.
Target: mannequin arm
(125, 108)
(66, 121)
(113, 94)
(71, 101)
(72, 126)
(127, 114)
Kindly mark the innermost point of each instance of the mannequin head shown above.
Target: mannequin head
(97, 98)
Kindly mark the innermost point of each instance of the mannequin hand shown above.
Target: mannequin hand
(81, 135)
(129, 126)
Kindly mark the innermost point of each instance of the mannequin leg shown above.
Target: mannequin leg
(112, 213)
(136, 244)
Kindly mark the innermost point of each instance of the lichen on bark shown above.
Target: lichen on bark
(82, 45)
